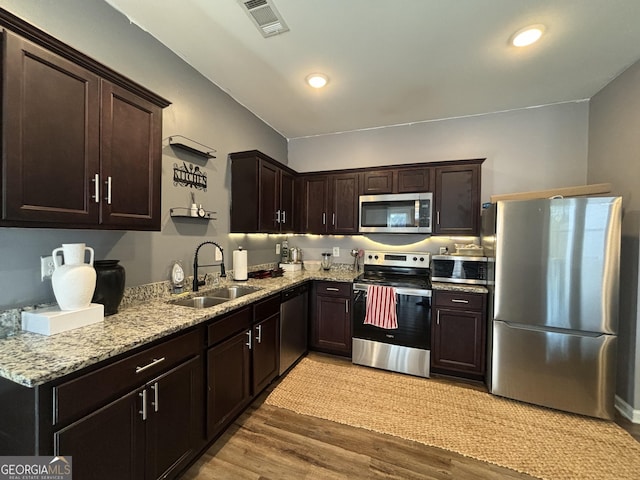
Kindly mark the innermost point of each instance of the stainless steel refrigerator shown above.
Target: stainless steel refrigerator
(554, 305)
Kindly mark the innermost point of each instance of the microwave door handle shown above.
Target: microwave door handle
(416, 210)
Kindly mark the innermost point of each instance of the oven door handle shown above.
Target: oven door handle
(414, 292)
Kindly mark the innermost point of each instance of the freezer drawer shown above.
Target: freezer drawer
(565, 371)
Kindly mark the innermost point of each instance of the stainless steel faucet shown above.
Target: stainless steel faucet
(197, 283)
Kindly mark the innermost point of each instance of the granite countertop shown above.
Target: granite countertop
(459, 287)
(31, 359)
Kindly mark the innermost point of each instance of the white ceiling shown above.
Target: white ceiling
(394, 62)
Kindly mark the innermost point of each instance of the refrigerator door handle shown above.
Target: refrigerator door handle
(538, 328)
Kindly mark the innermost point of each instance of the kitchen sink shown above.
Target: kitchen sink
(232, 291)
(214, 297)
(199, 302)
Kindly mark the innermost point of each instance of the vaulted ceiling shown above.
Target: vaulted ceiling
(393, 62)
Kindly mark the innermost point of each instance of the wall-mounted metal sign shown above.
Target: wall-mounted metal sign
(189, 175)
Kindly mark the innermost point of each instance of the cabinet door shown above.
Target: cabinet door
(458, 341)
(344, 204)
(228, 382)
(287, 203)
(50, 136)
(269, 198)
(377, 182)
(131, 163)
(315, 204)
(266, 349)
(414, 180)
(331, 325)
(457, 200)
(175, 430)
(107, 444)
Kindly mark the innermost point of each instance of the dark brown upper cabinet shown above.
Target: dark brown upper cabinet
(396, 180)
(262, 192)
(330, 203)
(457, 199)
(81, 142)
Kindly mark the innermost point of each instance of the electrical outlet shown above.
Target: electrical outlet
(336, 251)
(46, 268)
(277, 249)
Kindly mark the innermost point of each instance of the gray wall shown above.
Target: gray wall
(614, 156)
(200, 111)
(528, 149)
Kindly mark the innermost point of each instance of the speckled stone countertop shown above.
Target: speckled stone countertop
(31, 359)
(459, 287)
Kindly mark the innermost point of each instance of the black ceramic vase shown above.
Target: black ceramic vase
(109, 290)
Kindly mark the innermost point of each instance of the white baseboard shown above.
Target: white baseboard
(627, 410)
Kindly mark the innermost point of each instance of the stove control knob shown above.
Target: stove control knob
(376, 257)
(422, 259)
(370, 257)
(415, 259)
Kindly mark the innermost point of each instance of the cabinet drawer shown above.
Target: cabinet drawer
(266, 308)
(227, 326)
(334, 289)
(467, 301)
(88, 392)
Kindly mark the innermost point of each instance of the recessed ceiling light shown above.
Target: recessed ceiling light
(317, 80)
(527, 35)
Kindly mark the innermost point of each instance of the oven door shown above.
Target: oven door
(413, 308)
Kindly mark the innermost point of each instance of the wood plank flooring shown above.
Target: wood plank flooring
(266, 442)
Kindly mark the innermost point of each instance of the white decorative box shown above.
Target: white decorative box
(52, 320)
(291, 267)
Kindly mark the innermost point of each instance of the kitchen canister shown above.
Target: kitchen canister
(74, 280)
(110, 280)
(240, 264)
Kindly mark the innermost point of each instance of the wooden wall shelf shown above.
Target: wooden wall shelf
(192, 146)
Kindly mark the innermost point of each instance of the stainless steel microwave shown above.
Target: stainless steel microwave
(396, 213)
(461, 269)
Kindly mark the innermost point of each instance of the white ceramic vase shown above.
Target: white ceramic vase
(74, 281)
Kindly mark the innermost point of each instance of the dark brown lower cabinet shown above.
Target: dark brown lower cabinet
(149, 433)
(113, 432)
(458, 333)
(228, 375)
(242, 361)
(331, 318)
(266, 341)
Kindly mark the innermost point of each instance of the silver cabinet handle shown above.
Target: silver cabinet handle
(333, 219)
(155, 389)
(108, 197)
(438, 217)
(143, 394)
(248, 344)
(332, 289)
(324, 218)
(458, 300)
(284, 216)
(96, 188)
(346, 305)
(259, 335)
(278, 216)
(155, 362)
(438, 318)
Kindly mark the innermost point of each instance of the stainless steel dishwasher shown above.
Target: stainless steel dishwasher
(293, 325)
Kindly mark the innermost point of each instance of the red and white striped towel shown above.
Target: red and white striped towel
(381, 307)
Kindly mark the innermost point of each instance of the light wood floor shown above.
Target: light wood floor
(266, 442)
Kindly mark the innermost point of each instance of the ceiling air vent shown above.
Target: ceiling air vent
(265, 16)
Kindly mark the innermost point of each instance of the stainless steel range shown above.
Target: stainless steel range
(404, 349)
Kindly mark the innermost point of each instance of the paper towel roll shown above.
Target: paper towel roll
(240, 264)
